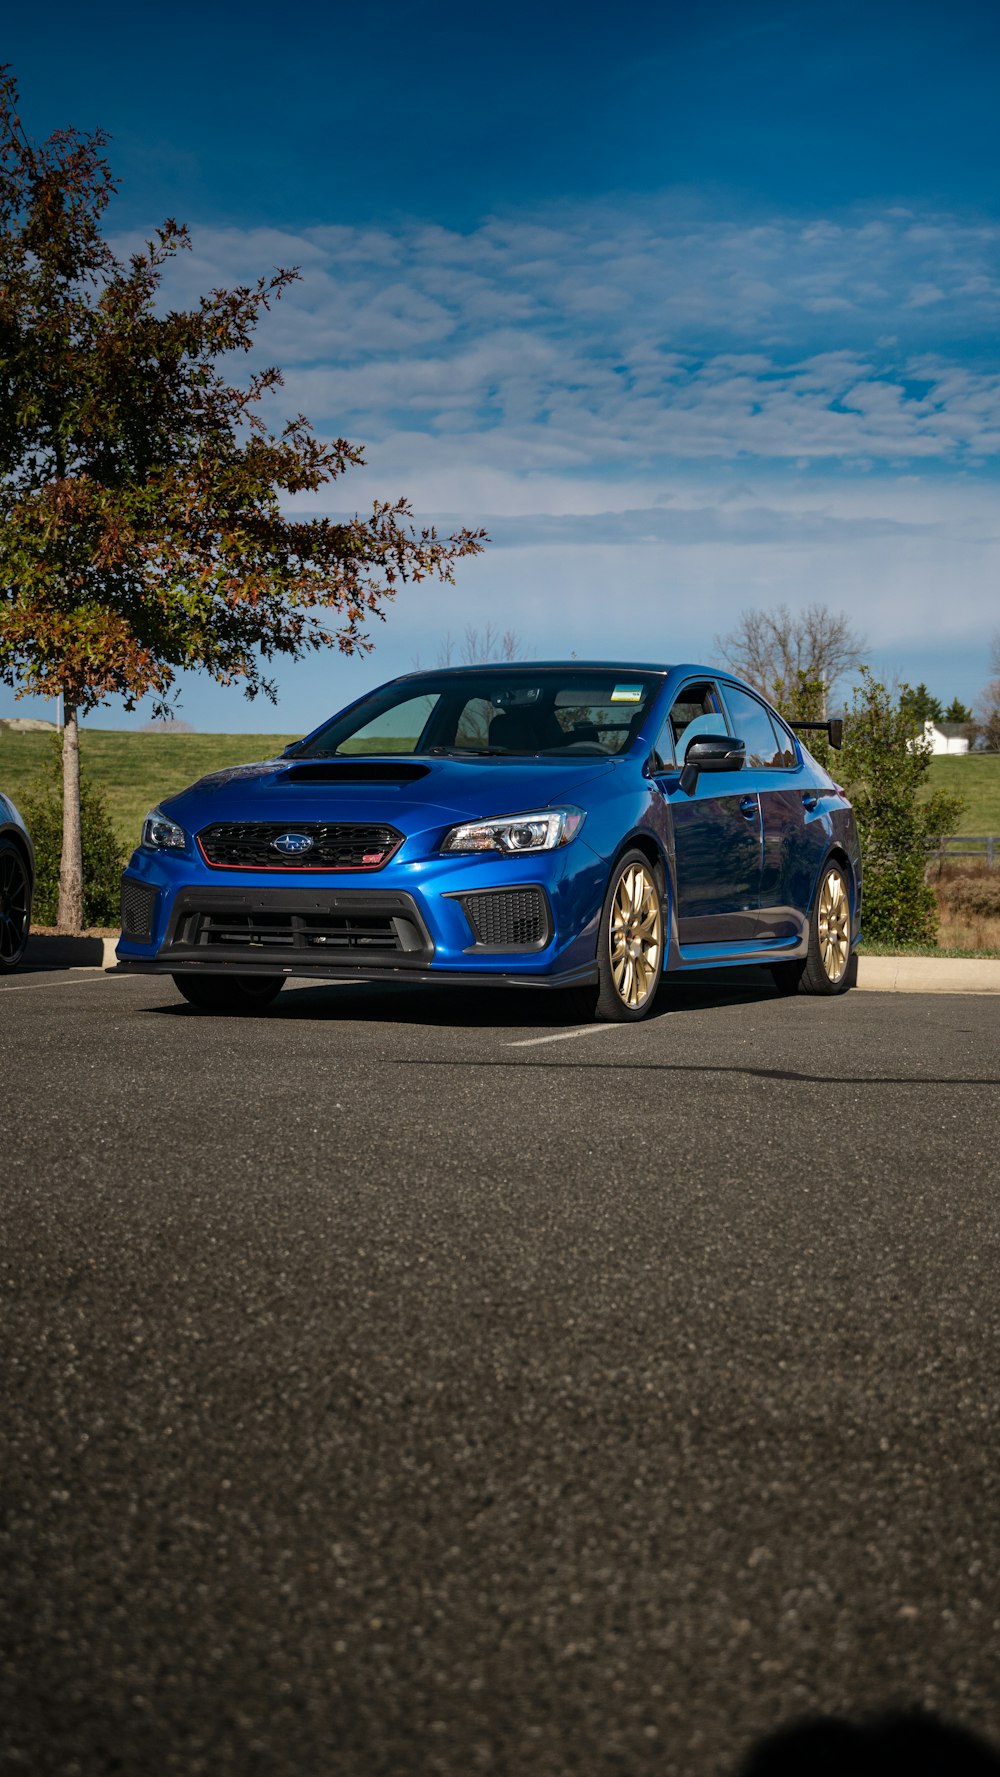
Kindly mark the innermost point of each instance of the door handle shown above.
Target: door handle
(810, 801)
(748, 807)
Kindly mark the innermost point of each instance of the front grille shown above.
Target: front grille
(508, 919)
(335, 845)
(297, 927)
(324, 932)
(138, 907)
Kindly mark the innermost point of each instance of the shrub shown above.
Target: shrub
(103, 859)
(884, 771)
(804, 700)
(977, 895)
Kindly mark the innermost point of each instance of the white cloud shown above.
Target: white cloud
(597, 309)
(711, 413)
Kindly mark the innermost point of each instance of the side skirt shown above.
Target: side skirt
(714, 956)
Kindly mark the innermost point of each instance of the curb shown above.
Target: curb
(70, 953)
(928, 974)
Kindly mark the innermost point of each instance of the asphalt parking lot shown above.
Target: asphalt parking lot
(401, 1382)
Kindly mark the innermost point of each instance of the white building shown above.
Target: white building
(945, 737)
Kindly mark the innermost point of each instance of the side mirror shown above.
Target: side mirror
(711, 752)
(292, 747)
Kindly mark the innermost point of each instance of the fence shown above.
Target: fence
(984, 846)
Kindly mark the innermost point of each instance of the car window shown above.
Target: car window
(664, 749)
(607, 716)
(394, 731)
(524, 711)
(696, 700)
(752, 725)
(698, 703)
(472, 729)
(786, 746)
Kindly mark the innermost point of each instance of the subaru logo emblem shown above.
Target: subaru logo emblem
(292, 844)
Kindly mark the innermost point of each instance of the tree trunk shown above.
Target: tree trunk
(71, 868)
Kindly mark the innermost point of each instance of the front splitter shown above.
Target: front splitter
(585, 976)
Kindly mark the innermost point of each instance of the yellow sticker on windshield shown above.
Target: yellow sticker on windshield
(627, 694)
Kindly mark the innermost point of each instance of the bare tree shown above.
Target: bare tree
(479, 647)
(776, 650)
(984, 729)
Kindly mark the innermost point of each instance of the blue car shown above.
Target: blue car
(570, 826)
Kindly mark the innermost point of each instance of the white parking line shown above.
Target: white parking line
(33, 986)
(562, 1036)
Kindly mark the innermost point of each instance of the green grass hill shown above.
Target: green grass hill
(135, 770)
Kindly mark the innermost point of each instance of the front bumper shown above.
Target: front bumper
(520, 921)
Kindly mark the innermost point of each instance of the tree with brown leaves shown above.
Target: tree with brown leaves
(141, 522)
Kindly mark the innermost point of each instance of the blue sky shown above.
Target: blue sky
(693, 308)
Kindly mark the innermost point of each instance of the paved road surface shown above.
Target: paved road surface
(399, 1383)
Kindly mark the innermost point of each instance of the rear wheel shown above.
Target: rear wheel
(15, 906)
(229, 993)
(828, 966)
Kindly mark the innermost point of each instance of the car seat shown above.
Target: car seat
(526, 730)
(583, 731)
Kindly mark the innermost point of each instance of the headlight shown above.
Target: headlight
(162, 834)
(517, 833)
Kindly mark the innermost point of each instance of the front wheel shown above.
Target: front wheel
(229, 993)
(629, 945)
(828, 966)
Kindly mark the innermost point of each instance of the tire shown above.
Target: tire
(829, 965)
(15, 906)
(229, 993)
(628, 977)
(787, 977)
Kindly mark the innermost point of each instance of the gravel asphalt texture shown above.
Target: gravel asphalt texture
(397, 1382)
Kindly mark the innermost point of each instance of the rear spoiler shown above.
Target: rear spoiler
(834, 729)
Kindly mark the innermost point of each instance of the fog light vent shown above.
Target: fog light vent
(138, 908)
(508, 919)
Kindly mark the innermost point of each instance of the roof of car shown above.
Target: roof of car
(513, 666)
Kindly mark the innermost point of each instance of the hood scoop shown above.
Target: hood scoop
(354, 771)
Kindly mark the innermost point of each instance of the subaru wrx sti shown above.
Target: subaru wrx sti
(579, 827)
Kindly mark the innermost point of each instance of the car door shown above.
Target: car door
(791, 843)
(715, 828)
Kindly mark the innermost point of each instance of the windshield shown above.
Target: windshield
(526, 712)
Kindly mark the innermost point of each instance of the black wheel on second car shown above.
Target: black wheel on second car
(15, 905)
(828, 966)
(229, 993)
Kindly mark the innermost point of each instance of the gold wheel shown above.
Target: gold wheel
(635, 936)
(834, 925)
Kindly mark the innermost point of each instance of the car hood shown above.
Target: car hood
(409, 794)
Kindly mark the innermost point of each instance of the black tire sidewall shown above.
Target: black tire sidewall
(229, 993)
(787, 976)
(9, 963)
